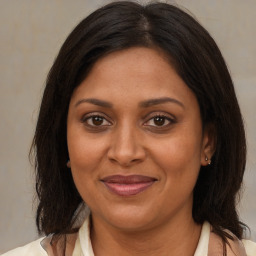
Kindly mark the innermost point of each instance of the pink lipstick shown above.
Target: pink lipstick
(128, 185)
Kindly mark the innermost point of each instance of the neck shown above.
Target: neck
(175, 237)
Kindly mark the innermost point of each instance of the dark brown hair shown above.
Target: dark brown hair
(199, 63)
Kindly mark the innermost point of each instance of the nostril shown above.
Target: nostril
(125, 149)
(125, 162)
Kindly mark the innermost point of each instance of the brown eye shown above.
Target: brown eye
(96, 120)
(159, 120)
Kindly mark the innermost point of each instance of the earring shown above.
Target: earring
(208, 160)
(68, 164)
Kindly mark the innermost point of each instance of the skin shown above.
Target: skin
(129, 140)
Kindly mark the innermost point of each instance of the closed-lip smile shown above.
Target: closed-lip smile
(128, 185)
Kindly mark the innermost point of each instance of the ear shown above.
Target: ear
(68, 164)
(208, 144)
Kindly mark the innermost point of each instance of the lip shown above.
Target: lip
(128, 185)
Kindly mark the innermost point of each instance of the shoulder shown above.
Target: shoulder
(234, 246)
(32, 249)
(250, 247)
(46, 247)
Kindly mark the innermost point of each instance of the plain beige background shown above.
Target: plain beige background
(31, 34)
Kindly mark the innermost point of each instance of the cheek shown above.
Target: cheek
(85, 155)
(179, 161)
(83, 152)
(179, 156)
(178, 152)
(84, 149)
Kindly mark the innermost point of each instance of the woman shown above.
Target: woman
(137, 125)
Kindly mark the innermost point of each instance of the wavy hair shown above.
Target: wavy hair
(197, 60)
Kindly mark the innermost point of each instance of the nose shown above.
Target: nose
(126, 147)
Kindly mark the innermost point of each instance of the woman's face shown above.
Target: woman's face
(135, 140)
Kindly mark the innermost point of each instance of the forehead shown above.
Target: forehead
(134, 74)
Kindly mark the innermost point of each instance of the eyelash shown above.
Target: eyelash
(169, 119)
(94, 115)
(86, 118)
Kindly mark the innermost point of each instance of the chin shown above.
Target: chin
(129, 219)
(130, 223)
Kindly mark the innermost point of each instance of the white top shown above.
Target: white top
(83, 245)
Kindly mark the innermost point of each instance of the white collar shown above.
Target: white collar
(202, 247)
(83, 246)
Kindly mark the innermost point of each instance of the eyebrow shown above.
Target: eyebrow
(157, 101)
(101, 103)
(143, 104)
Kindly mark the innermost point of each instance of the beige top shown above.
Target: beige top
(209, 245)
